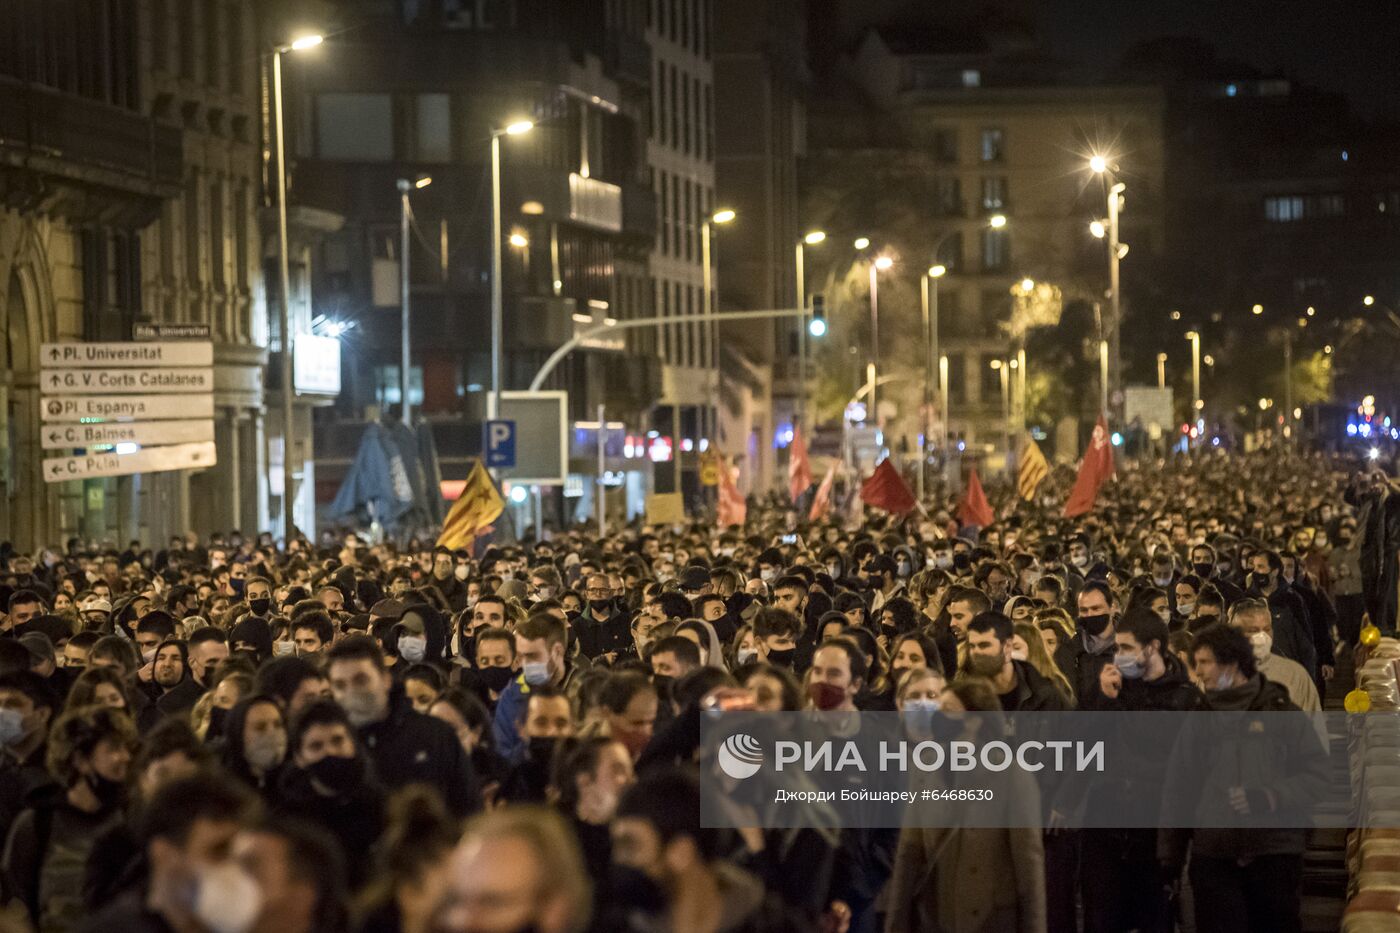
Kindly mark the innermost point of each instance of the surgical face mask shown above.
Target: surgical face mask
(266, 749)
(903, 569)
(1130, 666)
(1020, 654)
(1185, 606)
(745, 655)
(461, 571)
(1079, 560)
(11, 726)
(544, 592)
(1223, 682)
(363, 706)
(1165, 615)
(283, 648)
(922, 705)
(536, 672)
(1263, 645)
(834, 570)
(226, 897)
(768, 576)
(943, 560)
(1162, 580)
(413, 648)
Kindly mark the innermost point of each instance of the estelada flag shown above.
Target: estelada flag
(821, 502)
(476, 508)
(975, 509)
(799, 467)
(886, 489)
(1031, 470)
(1096, 467)
(733, 510)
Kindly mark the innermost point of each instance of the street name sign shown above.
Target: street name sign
(176, 353)
(110, 433)
(148, 460)
(119, 381)
(129, 407)
(170, 331)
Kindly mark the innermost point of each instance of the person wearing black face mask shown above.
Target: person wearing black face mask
(89, 752)
(1204, 562)
(548, 718)
(604, 631)
(259, 595)
(493, 653)
(332, 784)
(1082, 657)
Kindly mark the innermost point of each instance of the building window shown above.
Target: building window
(434, 129)
(685, 113)
(948, 200)
(971, 77)
(675, 109)
(241, 210)
(658, 103)
(217, 247)
(945, 145)
(236, 64)
(950, 251)
(996, 250)
(993, 193)
(355, 127)
(991, 381)
(1291, 207)
(709, 125)
(957, 379)
(213, 43)
(193, 226)
(993, 145)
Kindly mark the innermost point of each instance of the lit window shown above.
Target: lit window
(971, 77)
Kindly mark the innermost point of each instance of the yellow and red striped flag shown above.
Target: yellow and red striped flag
(476, 508)
(1031, 470)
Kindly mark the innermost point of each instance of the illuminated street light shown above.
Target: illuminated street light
(996, 221)
(1258, 309)
(1176, 315)
(937, 272)
(883, 263)
(519, 240)
(423, 182)
(862, 242)
(723, 216)
(519, 126)
(514, 128)
(995, 364)
(1097, 229)
(1311, 311)
(813, 238)
(1098, 165)
(1368, 300)
(306, 42)
(1028, 285)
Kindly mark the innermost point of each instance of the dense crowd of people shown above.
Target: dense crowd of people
(225, 735)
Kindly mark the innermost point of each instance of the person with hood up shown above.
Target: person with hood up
(255, 744)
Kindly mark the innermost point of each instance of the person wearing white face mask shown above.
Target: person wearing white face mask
(591, 774)
(193, 881)
(1257, 624)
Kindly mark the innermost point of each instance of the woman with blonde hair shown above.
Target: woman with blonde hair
(1027, 639)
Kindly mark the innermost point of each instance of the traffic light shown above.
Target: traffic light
(817, 325)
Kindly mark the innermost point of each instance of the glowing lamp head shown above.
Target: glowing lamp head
(996, 221)
(937, 272)
(1097, 230)
(862, 242)
(883, 263)
(816, 327)
(1257, 309)
(723, 216)
(1368, 300)
(1028, 285)
(519, 127)
(1098, 165)
(519, 240)
(302, 43)
(813, 238)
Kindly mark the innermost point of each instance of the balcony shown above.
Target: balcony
(84, 159)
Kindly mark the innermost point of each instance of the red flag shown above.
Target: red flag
(1096, 467)
(799, 467)
(886, 489)
(733, 510)
(821, 502)
(975, 510)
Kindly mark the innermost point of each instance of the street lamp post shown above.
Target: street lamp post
(405, 316)
(1003, 369)
(811, 239)
(722, 216)
(1196, 404)
(879, 264)
(1288, 385)
(1161, 370)
(284, 278)
(1100, 165)
(497, 298)
(929, 294)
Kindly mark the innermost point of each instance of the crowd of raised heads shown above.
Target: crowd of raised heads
(224, 734)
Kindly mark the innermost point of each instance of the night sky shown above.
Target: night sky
(1341, 45)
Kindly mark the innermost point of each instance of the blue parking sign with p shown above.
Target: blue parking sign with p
(499, 444)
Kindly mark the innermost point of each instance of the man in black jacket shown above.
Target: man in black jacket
(1119, 882)
(603, 630)
(406, 747)
(1293, 635)
(1082, 657)
(1020, 687)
